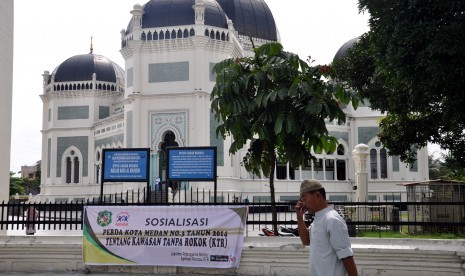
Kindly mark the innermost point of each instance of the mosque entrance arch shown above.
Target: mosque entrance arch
(169, 140)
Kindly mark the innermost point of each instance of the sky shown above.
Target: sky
(48, 32)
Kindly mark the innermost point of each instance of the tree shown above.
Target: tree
(411, 65)
(16, 185)
(276, 104)
(445, 167)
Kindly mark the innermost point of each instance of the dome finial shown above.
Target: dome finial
(91, 46)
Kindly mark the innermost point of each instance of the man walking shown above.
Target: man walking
(330, 249)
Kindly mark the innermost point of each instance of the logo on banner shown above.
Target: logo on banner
(122, 219)
(104, 218)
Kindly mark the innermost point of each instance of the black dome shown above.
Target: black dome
(251, 18)
(342, 52)
(162, 13)
(82, 67)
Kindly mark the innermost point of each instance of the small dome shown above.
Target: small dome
(251, 18)
(164, 13)
(82, 67)
(342, 52)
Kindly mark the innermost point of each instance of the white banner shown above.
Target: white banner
(193, 236)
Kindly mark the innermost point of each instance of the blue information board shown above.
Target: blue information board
(125, 165)
(192, 163)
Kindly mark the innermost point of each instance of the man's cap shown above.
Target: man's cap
(310, 185)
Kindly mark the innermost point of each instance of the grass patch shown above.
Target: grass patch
(392, 234)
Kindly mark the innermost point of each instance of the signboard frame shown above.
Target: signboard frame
(106, 166)
(190, 152)
(169, 166)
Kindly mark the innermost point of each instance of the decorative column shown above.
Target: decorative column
(199, 8)
(324, 168)
(46, 79)
(360, 155)
(335, 169)
(137, 13)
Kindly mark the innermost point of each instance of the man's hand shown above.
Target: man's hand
(300, 210)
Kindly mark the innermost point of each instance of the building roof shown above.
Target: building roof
(82, 67)
(251, 18)
(163, 13)
(342, 52)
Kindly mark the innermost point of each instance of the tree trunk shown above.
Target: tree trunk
(274, 213)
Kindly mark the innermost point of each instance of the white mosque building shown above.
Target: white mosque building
(162, 98)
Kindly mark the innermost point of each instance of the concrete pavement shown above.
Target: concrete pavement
(75, 273)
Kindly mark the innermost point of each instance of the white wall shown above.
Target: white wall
(260, 256)
(6, 86)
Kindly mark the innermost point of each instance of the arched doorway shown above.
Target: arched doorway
(169, 140)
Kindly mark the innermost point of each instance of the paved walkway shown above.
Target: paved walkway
(82, 273)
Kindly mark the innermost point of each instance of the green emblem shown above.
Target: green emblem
(104, 218)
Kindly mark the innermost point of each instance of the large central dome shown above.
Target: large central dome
(250, 17)
(162, 13)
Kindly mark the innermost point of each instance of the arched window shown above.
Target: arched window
(223, 36)
(341, 164)
(218, 37)
(167, 34)
(173, 34)
(179, 33)
(76, 169)
(72, 165)
(373, 164)
(186, 33)
(192, 32)
(162, 35)
(212, 34)
(383, 162)
(155, 35)
(142, 36)
(97, 174)
(68, 170)
(207, 32)
(149, 36)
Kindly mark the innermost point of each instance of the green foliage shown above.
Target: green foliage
(411, 65)
(445, 167)
(16, 185)
(279, 103)
(276, 104)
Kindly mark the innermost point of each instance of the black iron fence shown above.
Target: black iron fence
(406, 217)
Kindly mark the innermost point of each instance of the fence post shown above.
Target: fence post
(395, 218)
